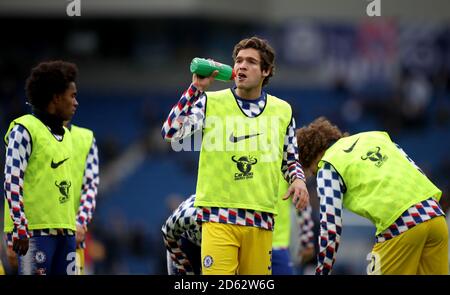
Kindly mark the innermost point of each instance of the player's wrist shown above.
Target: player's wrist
(197, 89)
(296, 177)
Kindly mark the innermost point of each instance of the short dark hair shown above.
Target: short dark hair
(266, 52)
(47, 79)
(315, 138)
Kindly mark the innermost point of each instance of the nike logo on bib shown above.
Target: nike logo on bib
(57, 164)
(239, 138)
(350, 149)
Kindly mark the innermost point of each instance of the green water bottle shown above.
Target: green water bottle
(204, 67)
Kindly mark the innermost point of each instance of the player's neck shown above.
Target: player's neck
(52, 121)
(249, 94)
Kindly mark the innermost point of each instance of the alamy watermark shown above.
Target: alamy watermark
(73, 8)
(74, 265)
(374, 266)
(374, 8)
(236, 136)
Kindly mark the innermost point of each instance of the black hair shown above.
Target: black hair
(48, 79)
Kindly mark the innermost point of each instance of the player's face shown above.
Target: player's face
(67, 103)
(247, 67)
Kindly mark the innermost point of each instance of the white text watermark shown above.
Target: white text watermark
(73, 8)
(236, 135)
(374, 8)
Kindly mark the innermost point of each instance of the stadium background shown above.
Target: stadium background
(364, 73)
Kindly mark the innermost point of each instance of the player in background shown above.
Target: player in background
(39, 201)
(373, 177)
(86, 176)
(238, 205)
(85, 167)
(282, 263)
(182, 236)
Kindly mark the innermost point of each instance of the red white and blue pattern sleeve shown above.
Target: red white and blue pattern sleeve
(91, 181)
(18, 152)
(186, 116)
(408, 158)
(290, 167)
(330, 190)
(306, 226)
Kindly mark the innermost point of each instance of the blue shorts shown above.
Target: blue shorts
(49, 255)
(281, 262)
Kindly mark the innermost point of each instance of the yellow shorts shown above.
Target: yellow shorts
(421, 250)
(229, 249)
(79, 262)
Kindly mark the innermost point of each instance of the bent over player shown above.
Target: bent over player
(371, 176)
